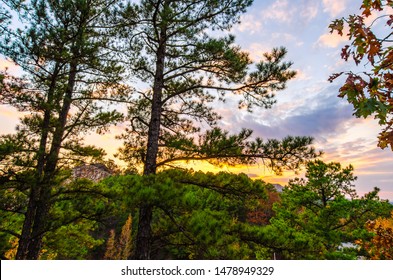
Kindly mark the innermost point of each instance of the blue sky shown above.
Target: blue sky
(309, 106)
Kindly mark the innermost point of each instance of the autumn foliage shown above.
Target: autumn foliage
(120, 249)
(380, 247)
(370, 92)
(263, 212)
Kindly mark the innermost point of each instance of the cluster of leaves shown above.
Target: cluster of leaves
(380, 247)
(78, 208)
(218, 147)
(370, 92)
(317, 216)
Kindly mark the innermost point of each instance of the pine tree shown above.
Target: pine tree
(318, 213)
(69, 71)
(184, 66)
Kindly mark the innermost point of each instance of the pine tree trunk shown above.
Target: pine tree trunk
(36, 218)
(40, 224)
(35, 189)
(43, 207)
(25, 237)
(143, 237)
(144, 234)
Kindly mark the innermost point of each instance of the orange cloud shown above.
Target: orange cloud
(9, 118)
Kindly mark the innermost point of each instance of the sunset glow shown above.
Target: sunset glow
(308, 107)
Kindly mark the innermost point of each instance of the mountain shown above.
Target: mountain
(95, 172)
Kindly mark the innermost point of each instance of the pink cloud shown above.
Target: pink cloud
(11, 67)
(331, 40)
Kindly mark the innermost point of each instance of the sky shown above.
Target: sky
(308, 107)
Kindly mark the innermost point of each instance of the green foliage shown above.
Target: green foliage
(197, 215)
(218, 147)
(205, 216)
(77, 208)
(318, 215)
(70, 242)
(370, 91)
(69, 72)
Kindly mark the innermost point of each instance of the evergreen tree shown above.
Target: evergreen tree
(69, 72)
(318, 214)
(120, 249)
(183, 66)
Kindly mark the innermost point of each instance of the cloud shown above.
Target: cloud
(283, 38)
(9, 118)
(320, 122)
(279, 11)
(248, 23)
(11, 67)
(331, 40)
(334, 7)
(318, 114)
(301, 75)
(374, 169)
(291, 12)
(257, 50)
(310, 10)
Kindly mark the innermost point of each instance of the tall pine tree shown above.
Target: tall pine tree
(185, 68)
(63, 49)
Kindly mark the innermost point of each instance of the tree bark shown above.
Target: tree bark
(43, 206)
(36, 217)
(35, 189)
(144, 234)
(25, 237)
